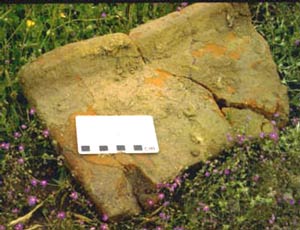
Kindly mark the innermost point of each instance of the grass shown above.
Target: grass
(254, 185)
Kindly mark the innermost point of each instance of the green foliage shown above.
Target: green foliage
(254, 185)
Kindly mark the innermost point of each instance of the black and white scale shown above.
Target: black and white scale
(128, 134)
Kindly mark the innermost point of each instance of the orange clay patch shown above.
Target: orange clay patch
(234, 55)
(214, 49)
(231, 36)
(231, 90)
(159, 79)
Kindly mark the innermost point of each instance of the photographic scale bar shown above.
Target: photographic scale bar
(116, 134)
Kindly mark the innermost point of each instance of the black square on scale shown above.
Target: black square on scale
(138, 147)
(85, 148)
(103, 148)
(120, 147)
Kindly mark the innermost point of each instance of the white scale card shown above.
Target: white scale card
(115, 134)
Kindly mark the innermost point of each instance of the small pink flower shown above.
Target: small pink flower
(103, 227)
(15, 210)
(45, 133)
(227, 172)
(274, 136)
(184, 4)
(61, 215)
(206, 208)
(19, 226)
(161, 196)
(23, 126)
(32, 200)
(229, 137)
(34, 182)
(103, 15)
(167, 203)
(17, 135)
(5, 145)
(43, 183)
(256, 178)
(32, 111)
(74, 195)
(21, 161)
(21, 148)
(104, 217)
(207, 174)
(150, 202)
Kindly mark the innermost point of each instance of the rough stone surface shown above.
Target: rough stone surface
(200, 72)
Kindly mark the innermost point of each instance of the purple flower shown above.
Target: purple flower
(17, 135)
(297, 42)
(34, 182)
(227, 172)
(291, 201)
(21, 148)
(274, 136)
(32, 200)
(229, 137)
(206, 208)
(103, 227)
(295, 121)
(179, 228)
(104, 217)
(19, 226)
(45, 133)
(43, 183)
(177, 180)
(207, 174)
(74, 195)
(272, 219)
(2, 227)
(103, 15)
(15, 210)
(159, 185)
(32, 111)
(61, 215)
(241, 139)
(150, 202)
(21, 161)
(5, 146)
(166, 203)
(27, 189)
(262, 135)
(184, 4)
(23, 126)
(161, 196)
(162, 216)
(158, 228)
(256, 178)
